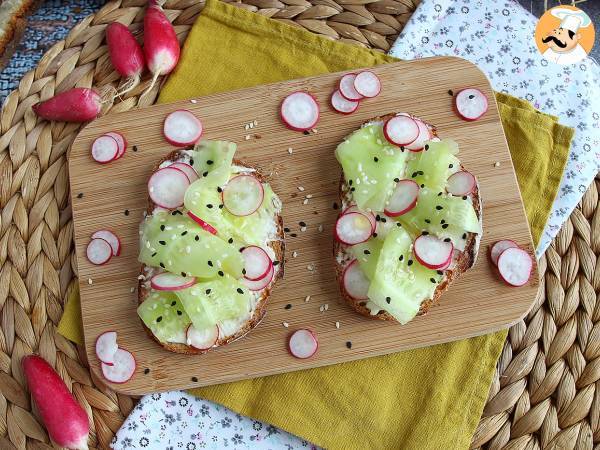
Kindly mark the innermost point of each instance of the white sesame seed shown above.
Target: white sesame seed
(310, 267)
(497, 164)
(132, 290)
(309, 196)
(285, 324)
(247, 137)
(250, 125)
(90, 281)
(320, 228)
(337, 325)
(303, 229)
(307, 299)
(290, 150)
(194, 101)
(314, 130)
(255, 123)
(140, 277)
(301, 188)
(321, 308)
(305, 202)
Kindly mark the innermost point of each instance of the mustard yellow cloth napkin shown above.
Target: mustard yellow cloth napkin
(428, 398)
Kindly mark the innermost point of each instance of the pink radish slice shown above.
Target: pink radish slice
(346, 88)
(342, 105)
(403, 199)
(202, 339)
(243, 195)
(367, 84)
(187, 169)
(105, 149)
(499, 247)
(98, 251)
(369, 215)
(106, 347)
(171, 282)
(353, 228)
(401, 130)
(121, 142)
(122, 368)
(182, 128)
(299, 111)
(424, 135)
(303, 344)
(356, 284)
(432, 252)
(461, 183)
(167, 187)
(112, 239)
(206, 226)
(257, 263)
(471, 104)
(514, 265)
(74, 105)
(259, 285)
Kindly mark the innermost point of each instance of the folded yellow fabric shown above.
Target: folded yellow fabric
(428, 398)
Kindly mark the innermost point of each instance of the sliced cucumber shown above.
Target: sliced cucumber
(433, 165)
(164, 315)
(367, 255)
(214, 158)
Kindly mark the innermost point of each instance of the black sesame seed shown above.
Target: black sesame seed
(173, 303)
(126, 212)
(179, 313)
(402, 148)
(440, 194)
(288, 306)
(219, 190)
(401, 258)
(444, 226)
(352, 189)
(153, 255)
(205, 174)
(191, 161)
(209, 206)
(432, 280)
(207, 291)
(209, 162)
(440, 272)
(276, 263)
(450, 166)
(197, 238)
(335, 205)
(388, 300)
(239, 291)
(184, 233)
(221, 206)
(162, 228)
(425, 233)
(464, 197)
(134, 148)
(286, 229)
(293, 235)
(230, 240)
(367, 252)
(420, 172)
(414, 175)
(396, 179)
(398, 224)
(161, 265)
(374, 235)
(450, 92)
(350, 182)
(383, 220)
(183, 274)
(376, 159)
(422, 185)
(447, 240)
(426, 147)
(442, 221)
(80, 195)
(464, 236)
(210, 263)
(146, 371)
(439, 208)
(162, 242)
(243, 271)
(221, 274)
(377, 217)
(348, 344)
(306, 133)
(427, 221)
(302, 224)
(410, 261)
(159, 319)
(471, 97)
(194, 379)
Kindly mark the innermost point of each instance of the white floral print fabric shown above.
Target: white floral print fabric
(498, 37)
(178, 421)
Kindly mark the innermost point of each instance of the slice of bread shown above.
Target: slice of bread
(278, 246)
(465, 260)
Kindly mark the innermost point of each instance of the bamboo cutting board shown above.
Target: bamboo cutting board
(114, 196)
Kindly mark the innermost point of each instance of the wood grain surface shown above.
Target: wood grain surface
(477, 304)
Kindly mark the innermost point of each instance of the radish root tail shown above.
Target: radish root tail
(152, 83)
(129, 84)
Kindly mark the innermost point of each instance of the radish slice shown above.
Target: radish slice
(167, 187)
(122, 368)
(112, 239)
(461, 183)
(401, 130)
(121, 142)
(171, 282)
(259, 285)
(499, 247)
(356, 284)
(471, 104)
(514, 265)
(257, 263)
(182, 128)
(243, 195)
(299, 111)
(202, 339)
(403, 199)
(353, 228)
(303, 344)
(346, 88)
(367, 84)
(104, 149)
(187, 169)
(206, 226)
(98, 251)
(369, 215)
(343, 105)
(106, 347)
(432, 252)
(424, 135)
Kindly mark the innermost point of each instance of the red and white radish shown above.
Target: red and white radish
(432, 252)
(105, 149)
(343, 105)
(121, 142)
(259, 285)
(499, 247)
(356, 284)
(65, 420)
(461, 183)
(98, 251)
(122, 368)
(514, 265)
(299, 111)
(74, 105)
(206, 226)
(257, 263)
(403, 198)
(106, 347)
(471, 104)
(243, 195)
(401, 130)
(171, 282)
(202, 339)
(167, 187)
(181, 128)
(424, 135)
(346, 88)
(126, 55)
(112, 239)
(369, 214)
(367, 84)
(353, 228)
(187, 169)
(303, 344)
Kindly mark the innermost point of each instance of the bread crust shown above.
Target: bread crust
(278, 247)
(465, 261)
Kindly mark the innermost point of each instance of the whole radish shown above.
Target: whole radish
(161, 46)
(65, 420)
(74, 105)
(126, 54)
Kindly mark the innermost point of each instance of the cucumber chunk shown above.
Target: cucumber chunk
(212, 159)
(163, 313)
(367, 255)
(433, 165)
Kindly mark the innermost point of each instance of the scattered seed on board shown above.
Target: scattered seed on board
(247, 137)
(310, 267)
(246, 127)
(497, 164)
(309, 196)
(326, 306)
(90, 281)
(290, 150)
(337, 325)
(301, 188)
(307, 299)
(303, 229)
(194, 101)
(305, 202)
(314, 130)
(320, 228)
(132, 290)
(285, 324)
(321, 308)
(141, 277)
(294, 254)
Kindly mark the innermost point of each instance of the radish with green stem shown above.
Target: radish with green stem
(126, 55)
(74, 105)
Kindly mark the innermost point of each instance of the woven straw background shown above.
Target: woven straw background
(545, 393)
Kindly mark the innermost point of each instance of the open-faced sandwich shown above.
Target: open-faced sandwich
(211, 248)
(410, 221)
